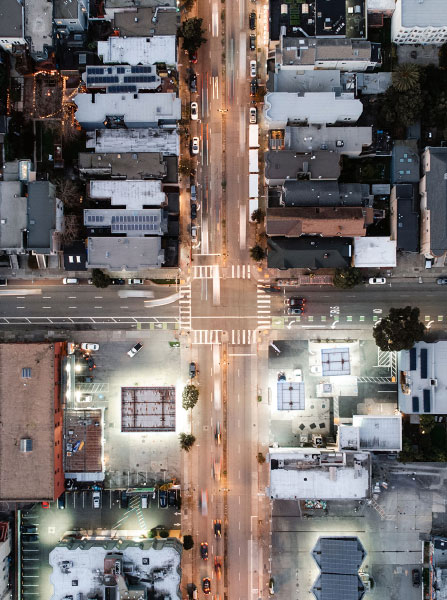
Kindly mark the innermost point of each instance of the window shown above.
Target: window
(26, 373)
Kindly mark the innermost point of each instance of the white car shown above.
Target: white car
(194, 233)
(96, 500)
(135, 349)
(135, 281)
(91, 347)
(377, 280)
(252, 68)
(253, 114)
(194, 111)
(195, 145)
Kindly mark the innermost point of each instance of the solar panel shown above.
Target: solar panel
(340, 555)
(141, 69)
(116, 89)
(339, 587)
(120, 69)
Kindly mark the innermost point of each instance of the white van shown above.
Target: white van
(70, 281)
(144, 501)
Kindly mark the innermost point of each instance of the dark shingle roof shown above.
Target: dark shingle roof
(407, 218)
(324, 193)
(436, 181)
(309, 252)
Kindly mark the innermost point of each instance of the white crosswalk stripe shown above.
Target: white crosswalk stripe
(206, 336)
(185, 306)
(263, 303)
(203, 271)
(243, 336)
(241, 271)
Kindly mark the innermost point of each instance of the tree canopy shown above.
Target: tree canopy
(186, 441)
(190, 396)
(400, 330)
(100, 279)
(188, 542)
(192, 33)
(257, 253)
(347, 278)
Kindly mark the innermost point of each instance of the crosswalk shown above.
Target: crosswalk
(263, 303)
(241, 271)
(185, 306)
(204, 271)
(206, 336)
(207, 271)
(243, 336)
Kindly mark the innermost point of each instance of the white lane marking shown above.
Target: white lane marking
(97, 307)
(238, 423)
(20, 307)
(239, 499)
(20, 297)
(239, 474)
(46, 297)
(72, 297)
(46, 306)
(72, 307)
(98, 297)
(124, 307)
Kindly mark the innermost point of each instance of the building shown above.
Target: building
(404, 213)
(122, 78)
(133, 194)
(433, 192)
(372, 433)
(325, 193)
(301, 81)
(139, 50)
(437, 565)
(339, 560)
(6, 546)
(287, 164)
(423, 379)
(12, 25)
(97, 111)
(132, 223)
(313, 474)
(419, 22)
(44, 221)
(111, 8)
(124, 253)
(378, 10)
(39, 27)
(125, 165)
(308, 252)
(165, 141)
(71, 15)
(374, 252)
(13, 223)
(328, 221)
(325, 108)
(31, 453)
(337, 18)
(405, 163)
(335, 54)
(148, 21)
(116, 568)
(351, 141)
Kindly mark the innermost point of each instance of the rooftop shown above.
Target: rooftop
(128, 222)
(372, 433)
(148, 409)
(133, 194)
(140, 22)
(165, 141)
(125, 253)
(328, 221)
(370, 252)
(324, 193)
(311, 474)
(39, 26)
(66, 9)
(132, 110)
(405, 221)
(11, 19)
(405, 163)
(435, 169)
(27, 411)
(424, 14)
(316, 51)
(372, 83)
(42, 216)
(292, 81)
(288, 164)
(119, 78)
(13, 206)
(343, 140)
(139, 50)
(128, 165)
(282, 108)
(308, 253)
(83, 425)
(130, 4)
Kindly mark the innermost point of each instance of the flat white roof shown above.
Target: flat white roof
(139, 50)
(132, 193)
(311, 107)
(374, 252)
(147, 109)
(147, 139)
(372, 433)
(428, 13)
(125, 253)
(351, 140)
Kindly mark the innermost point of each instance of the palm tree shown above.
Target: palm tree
(186, 441)
(406, 77)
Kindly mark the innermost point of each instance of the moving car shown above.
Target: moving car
(45, 505)
(253, 87)
(70, 281)
(195, 145)
(217, 434)
(295, 310)
(135, 281)
(89, 346)
(377, 280)
(252, 42)
(96, 499)
(296, 301)
(163, 499)
(217, 466)
(416, 577)
(135, 349)
(90, 362)
(252, 68)
(206, 585)
(442, 281)
(204, 550)
(253, 114)
(252, 21)
(272, 288)
(218, 567)
(217, 524)
(194, 111)
(193, 211)
(192, 370)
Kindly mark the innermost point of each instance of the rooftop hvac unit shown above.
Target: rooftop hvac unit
(26, 445)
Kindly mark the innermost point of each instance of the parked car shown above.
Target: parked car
(253, 68)
(252, 42)
(281, 376)
(195, 145)
(28, 528)
(172, 497)
(416, 577)
(193, 58)
(117, 281)
(30, 538)
(163, 499)
(193, 211)
(217, 524)
(253, 114)
(144, 501)
(295, 310)
(377, 280)
(61, 501)
(194, 111)
(3, 282)
(297, 375)
(253, 87)
(192, 370)
(194, 233)
(90, 346)
(204, 550)
(442, 281)
(193, 83)
(45, 505)
(193, 192)
(294, 301)
(135, 281)
(135, 349)
(252, 21)
(124, 500)
(70, 281)
(96, 499)
(206, 585)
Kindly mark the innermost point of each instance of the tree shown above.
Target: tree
(68, 192)
(187, 5)
(71, 229)
(402, 108)
(405, 77)
(192, 33)
(163, 533)
(257, 253)
(261, 458)
(186, 441)
(426, 423)
(186, 166)
(257, 215)
(188, 542)
(100, 279)
(399, 330)
(190, 396)
(347, 278)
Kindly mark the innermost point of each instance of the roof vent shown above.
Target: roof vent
(26, 445)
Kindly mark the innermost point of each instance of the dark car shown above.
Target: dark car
(416, 577)
(30, 538)
(442, 281)
(193, 211)
(90, 362)
(192, 370)
(217, 527)
(193, 83)
(193, 57)
(118, 281)
(163, 499)
(61, 501)
(272, 289)
(252, 21)
(297, 301)
(124, 500)
(295, 310)
(28, 528)
(172, 497)
(252, 42)
(206, 585)
(204, 550)
(253, 87)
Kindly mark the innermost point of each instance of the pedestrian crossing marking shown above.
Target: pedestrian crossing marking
(206, 336)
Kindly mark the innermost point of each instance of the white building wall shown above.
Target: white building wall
(402, 33)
